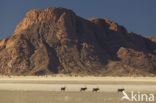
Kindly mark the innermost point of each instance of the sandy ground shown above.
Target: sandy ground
(61, 97)
(50, 83)
(58, 97)
(46, 89)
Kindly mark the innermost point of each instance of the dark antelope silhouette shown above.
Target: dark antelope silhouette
(95, 89)
(63, 88)
(83, 89)
(121, 89)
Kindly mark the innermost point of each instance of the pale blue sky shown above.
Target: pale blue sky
(136, 15)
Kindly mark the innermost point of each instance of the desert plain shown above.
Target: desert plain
(47, 89)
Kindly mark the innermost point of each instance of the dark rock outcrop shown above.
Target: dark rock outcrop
(56, 40)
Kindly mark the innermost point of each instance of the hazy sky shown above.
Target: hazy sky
(136, 15)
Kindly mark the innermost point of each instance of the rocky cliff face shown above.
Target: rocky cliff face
(152, 38)
(56, 40)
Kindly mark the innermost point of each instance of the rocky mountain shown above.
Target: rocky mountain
(56, 40)
(152, 38)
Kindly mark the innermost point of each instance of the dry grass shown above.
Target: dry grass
(62, 77)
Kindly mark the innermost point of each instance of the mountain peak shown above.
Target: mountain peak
(53, 15)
